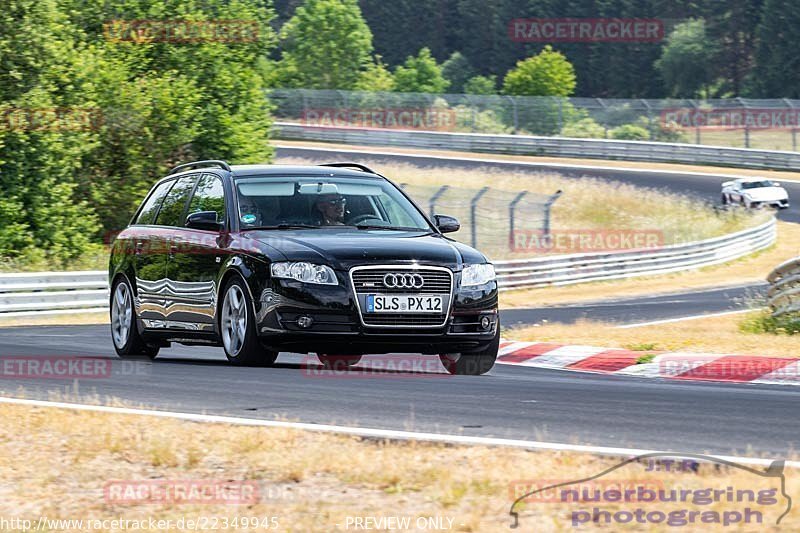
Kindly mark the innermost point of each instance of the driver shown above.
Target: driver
(331, 209)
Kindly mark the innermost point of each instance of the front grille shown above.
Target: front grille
(398, 319)
(370, 281)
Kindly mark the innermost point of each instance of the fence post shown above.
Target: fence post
(547, 208)
(514, 111)
(511, 208)
(649, 118)
(472, 207)
(790, 105)
(436, 196)
(746, 123)
(560, 115)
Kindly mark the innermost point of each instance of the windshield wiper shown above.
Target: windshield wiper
(285, 226)
(391, 228)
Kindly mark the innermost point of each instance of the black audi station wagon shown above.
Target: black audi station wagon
(332, 259)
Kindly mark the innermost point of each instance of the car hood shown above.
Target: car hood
(343, 249)
(766, 194)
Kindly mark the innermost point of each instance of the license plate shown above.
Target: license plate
(402, 303)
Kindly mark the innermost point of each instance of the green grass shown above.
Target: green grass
(764, 323)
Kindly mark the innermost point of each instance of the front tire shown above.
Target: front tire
(128, 342)
(238, 329)
(472, 364)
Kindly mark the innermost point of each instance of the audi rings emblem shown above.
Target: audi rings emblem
(403, 281)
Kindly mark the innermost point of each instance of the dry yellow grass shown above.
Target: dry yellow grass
(706, 169)
(720, 335)
(56, 463)
(750, 269)
(55, 320)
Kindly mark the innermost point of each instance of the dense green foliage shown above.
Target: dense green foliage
(326, 45)
(420, 74)
(152, 103)
(546, 74)
(752, 54)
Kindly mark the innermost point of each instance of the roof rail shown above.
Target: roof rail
(208, 163)
(358, 166)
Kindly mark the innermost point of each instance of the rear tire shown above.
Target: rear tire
(238, 329)
(338, 362)
(128, 342)
(725, 199)
(475, 363)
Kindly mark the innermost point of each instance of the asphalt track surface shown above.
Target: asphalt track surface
(707, 188)
(643, 309)
(509, 402)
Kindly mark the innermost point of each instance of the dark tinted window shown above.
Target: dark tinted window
(171, 212)
(209, 196)
(148, 213)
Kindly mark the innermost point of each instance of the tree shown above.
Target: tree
(457, 70)
(776, 71)
(420, 74)
(326, 45)
(686, 62)
(42, 216)
(481, 85)
(376, 78)
(547, 74)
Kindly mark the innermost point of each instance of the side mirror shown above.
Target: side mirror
(206, 220)
(446, 224)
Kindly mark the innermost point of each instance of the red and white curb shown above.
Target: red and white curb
(669, 365)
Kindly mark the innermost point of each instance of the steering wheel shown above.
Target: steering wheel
(362, 218)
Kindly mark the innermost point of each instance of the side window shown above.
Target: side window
(209, 196)
(171, 212)
(147, 215)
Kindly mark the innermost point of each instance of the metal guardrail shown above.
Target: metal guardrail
(581, 268)
(784, 291)
(767, 124)
(655, 152)
(53, 292)
(75, 292)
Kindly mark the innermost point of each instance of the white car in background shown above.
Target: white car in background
(755, 192)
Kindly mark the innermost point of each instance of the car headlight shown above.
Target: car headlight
(305, 272)
(474, 275)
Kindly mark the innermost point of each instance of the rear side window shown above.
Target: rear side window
(171, 212)
(209, 196)
(147, 215)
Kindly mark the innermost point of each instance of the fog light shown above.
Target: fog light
(486, 322)
(305, 321)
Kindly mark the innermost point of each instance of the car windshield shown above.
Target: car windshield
(756, 184)
(312, 202)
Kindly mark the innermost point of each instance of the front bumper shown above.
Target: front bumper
(777, 204)
(298, 317)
